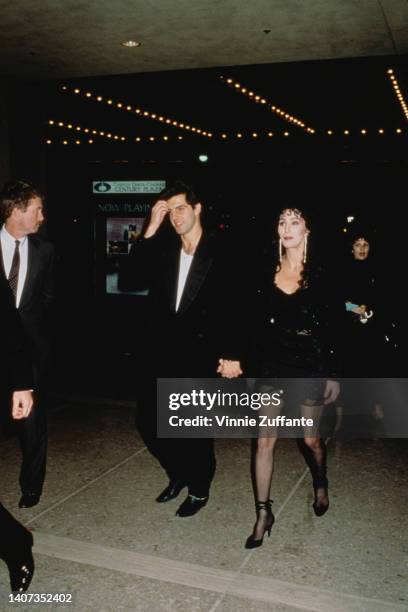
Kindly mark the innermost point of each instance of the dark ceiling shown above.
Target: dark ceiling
(324, 62)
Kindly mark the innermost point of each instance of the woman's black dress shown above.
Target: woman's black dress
(298, 335)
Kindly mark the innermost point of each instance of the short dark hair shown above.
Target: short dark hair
(17, 194)
(180, 188)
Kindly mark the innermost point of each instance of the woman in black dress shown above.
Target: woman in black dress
(296, 318)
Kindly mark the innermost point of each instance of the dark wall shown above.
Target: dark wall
(243, 190)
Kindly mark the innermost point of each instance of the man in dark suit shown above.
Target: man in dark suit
(193, 329)
(16, 380)
(27, 262)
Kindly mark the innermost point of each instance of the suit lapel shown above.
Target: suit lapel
(172, 276)
(33, 264)
(2, 270)
(200, 266)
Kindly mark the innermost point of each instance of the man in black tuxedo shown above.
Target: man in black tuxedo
(27, 262)
(16, 381)
(193, 330)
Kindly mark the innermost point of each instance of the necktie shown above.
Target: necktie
(14, 270)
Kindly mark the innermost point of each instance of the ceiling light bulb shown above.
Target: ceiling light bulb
(130, 43)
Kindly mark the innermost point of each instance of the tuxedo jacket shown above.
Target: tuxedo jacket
(15, 365)
(189, 341)
(37, 297)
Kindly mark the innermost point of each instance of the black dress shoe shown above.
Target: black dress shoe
(21, 568)
(28, 500)
(191, 505)
(171, 491)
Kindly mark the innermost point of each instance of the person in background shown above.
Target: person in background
(16, 387)
(27, 262)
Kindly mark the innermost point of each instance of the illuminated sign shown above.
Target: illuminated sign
(120, 187)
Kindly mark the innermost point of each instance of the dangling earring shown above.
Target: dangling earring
(280, 250)
(305, 250)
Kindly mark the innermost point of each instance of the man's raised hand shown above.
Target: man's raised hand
(158, 212)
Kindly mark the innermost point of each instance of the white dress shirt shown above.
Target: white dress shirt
(8, 245)
(185, 263)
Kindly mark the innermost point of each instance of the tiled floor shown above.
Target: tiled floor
(100, 535)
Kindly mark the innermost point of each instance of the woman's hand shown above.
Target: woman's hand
(331, 392)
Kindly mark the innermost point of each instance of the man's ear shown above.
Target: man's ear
(14, 213)
(197, 209)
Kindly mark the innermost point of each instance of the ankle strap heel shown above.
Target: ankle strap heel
(267, 520)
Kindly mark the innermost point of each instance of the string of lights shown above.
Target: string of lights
(78, 128)
(144, 114)
(227, 138)
(263, 101)
(398, 92)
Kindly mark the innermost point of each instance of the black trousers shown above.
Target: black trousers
(191, 460)
(33, 438)
(13, 536)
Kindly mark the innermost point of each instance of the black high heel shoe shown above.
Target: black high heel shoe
(269, 521)
(320, 507)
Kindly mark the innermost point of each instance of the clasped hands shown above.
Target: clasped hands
(228, 368)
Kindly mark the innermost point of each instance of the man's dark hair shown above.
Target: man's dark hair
(17, 194)
(180, 188)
